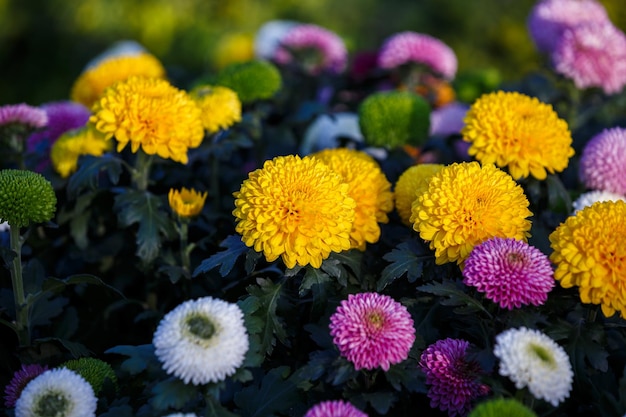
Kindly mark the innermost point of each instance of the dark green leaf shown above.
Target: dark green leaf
(406, 258)
(225, 259)
(7, 255)
(78, 218)
(380, 401)
(268, 295)
(314, 278)
(144, 208)
(46, 308)
(215, 409)
(453, 294)
(274, 394)
(352, 259)
(88, 174)
(173, 393)
(77, 350)
(33, 275)
(174, 272)
(55, 284)
(118, 411)
(140, 357)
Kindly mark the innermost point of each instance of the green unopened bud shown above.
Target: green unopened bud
(252, 80)
(394, 118)
(95, 371)
(25, 197)
(502, 407)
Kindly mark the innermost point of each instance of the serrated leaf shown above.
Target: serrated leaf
(77, 350)
(586, 344)
(55, 284)
(89, 170)
(215, 409)
(453, 295)
(407, 258)
(173, 393)
(33, 275)
(352, 259)
(313, 278)
(274, 394)
(225, 259)
(46, 308)
(78, 218)
(140, 357)
(118, 411)
(268, 295)
(380, 401)
(144, 208)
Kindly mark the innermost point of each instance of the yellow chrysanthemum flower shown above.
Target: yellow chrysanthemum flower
(186, 202)
(90, 85)
(466, 204)
(220, 107)
(234, 48)
(411, 183)
(295, 208)
(369, 188)
(589, 252)
(84, 141)
(519, 132)
(150, 113)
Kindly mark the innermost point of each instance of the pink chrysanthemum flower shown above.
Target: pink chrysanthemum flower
(592, 55)
(372, 330)
(20, 379)
(411, 47)
(603, 161)
(23, 114)
(510, 272)
(548, 19)
(313, 48)
(453, 379)
(336, 408)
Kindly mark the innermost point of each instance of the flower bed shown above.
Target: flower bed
(314, 233)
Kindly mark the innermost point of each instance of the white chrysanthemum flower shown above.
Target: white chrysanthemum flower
(57, 392)
(327, 130)
(590, 197)
(269, 37)
(532, 359)
(202, 340)
(4, 227)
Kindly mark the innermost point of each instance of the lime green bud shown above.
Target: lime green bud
(394, 118)
(95, 371)
(502, 407)
(25, 197)
(252, 80)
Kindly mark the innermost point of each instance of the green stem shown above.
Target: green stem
(184, 251)
(141, 173)
(21, 308)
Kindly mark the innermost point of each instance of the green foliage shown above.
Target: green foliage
(502, 407)
(95, 371)
(272, 396)
(252, 81)
(25, 197)
(225, 259)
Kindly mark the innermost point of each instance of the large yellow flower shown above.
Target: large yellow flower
(71, 145)
(220, 106)
(519, 132)
(186, 202)
(369, 188)
(90, 85)
(466, 204)
(150, 113)
(295, 208)
(589, 252)
(411, 183)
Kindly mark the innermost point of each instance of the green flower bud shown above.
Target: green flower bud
(252, 80)
(25, 197)
(95, 371)
(502, 407)
(394, 118)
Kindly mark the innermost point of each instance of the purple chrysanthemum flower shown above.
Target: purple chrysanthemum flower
(448, 120)
(314, 48)
(603, 161)
(548, 19)
(510, 272)
(453, 379)
(20, 379)
(22, 114)
(62, 117)
(412, 47)
(337, 408)
(592, 54)
(372, 330)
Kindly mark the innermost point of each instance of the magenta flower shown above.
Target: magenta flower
(510, 272)
(411, 47)
(337, 408)
(372, 330)
(19, 381)
(22, 114)
(453, 379)
(548, 19)
(313, 48)
(592, 55)
(603, 161)
(62, 117)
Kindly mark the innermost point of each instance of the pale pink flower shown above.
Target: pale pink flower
(603, 161)
(338, 408)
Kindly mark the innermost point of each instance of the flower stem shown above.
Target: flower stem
(184, 250)
(21, 308)
(141, 173)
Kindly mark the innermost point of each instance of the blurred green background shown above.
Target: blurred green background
(45, 44)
